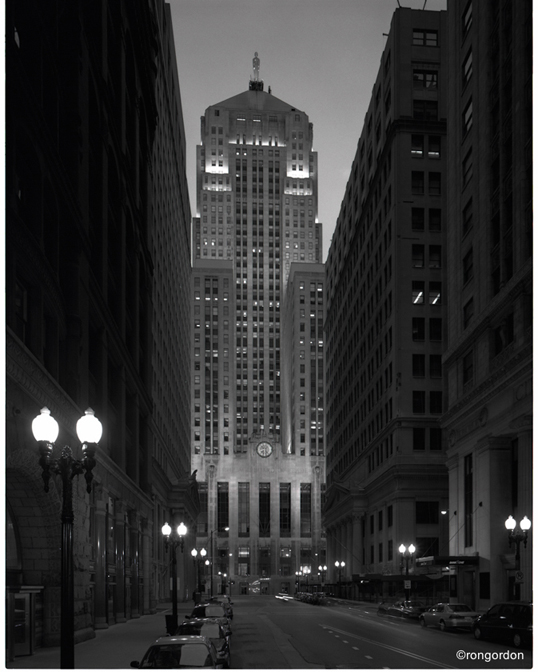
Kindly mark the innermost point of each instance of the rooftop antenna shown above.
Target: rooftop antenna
(256, 84)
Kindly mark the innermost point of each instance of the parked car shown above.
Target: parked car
(213, 630)
(212, 610)
(184, 651)
(284, 596)
(507, 622)
(226, 601)
(402, 608)
(449, 616)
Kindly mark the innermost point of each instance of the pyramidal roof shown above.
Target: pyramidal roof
(256, 100)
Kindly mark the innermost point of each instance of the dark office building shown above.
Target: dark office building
(97, 284)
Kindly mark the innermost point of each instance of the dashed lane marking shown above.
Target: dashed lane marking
(388, 647)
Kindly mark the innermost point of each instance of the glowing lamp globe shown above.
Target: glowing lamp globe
(182, 529)
(510, 523)
(166, 530)
(89, 428)
(525, 524)
(44, 427)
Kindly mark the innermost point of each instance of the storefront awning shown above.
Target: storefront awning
(447, 560)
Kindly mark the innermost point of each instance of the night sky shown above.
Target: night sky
(320, 56)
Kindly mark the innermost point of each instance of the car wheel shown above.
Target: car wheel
(442, 626)
(477, 633)
(517, 640)
(423, 623)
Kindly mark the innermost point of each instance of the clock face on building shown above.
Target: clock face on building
(264, 449)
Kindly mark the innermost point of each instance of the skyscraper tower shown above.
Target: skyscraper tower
(257, 216)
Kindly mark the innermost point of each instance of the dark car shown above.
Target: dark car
(213, 610)
(402, 608)
(212, 629)
(176, 652)
(506, 622)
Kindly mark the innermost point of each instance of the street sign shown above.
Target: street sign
(407, 585)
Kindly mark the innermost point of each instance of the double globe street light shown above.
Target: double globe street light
(407, 553)
(173, 541)
(89, 431)
(198, 561)
(339, 564)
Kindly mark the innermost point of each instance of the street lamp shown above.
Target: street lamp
(173, 542)
(306, 572)
(89, 431)
(517, 537)
(407, 553)
(322, 570)
(298, 581)
(340, 564)
(197, 561)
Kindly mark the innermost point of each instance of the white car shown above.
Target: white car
(448, 616)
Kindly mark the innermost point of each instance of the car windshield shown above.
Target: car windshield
(215, 610)
(459, 607)
(411, 605)
(173, 656)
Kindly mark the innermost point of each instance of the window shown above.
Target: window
(418, 328)
(417, 182)
(419, 438)
(467, 18)
(417, 146)
(419, 366)
(436, 402)
(389, 516)
(467, 118)
(436, 438)
(467, 168)
(222, 506)
(434, 219)
(418, 292)
(435, 256)
(285, 509)
(468, 266)
(243, 509)
(467, 217)
(380, 520)
(503, 335)
(434, 147)
(425, 110)
(425, 79)
(264, 509)
(418, 256)
(467, 69)
(436, 366)
(419, 401)
(306, 509)
(417, 219)
(434, 296)
(468, 312)
(434, 184)
(436, 329)
(468, 367)
(427, 513)
(425, 38)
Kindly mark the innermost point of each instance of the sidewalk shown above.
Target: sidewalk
(112, 648)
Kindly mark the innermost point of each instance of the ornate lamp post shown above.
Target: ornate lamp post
(516, 537)
(197, 561)
(298, 581)
(306, 572)
(173, 543)
(407, 553)
(339, 564)
(89, 431)
(323, 571)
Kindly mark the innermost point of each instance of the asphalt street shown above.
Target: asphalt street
(272, 634)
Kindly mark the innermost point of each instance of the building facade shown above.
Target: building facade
(488, 363)
(385, 330)
(94, 134)
(256, 217)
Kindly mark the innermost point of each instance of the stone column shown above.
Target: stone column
(119, 543)
(134, 531)
(148, 607)
(100, 593)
